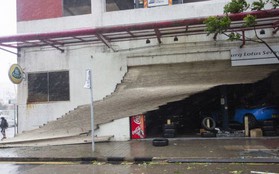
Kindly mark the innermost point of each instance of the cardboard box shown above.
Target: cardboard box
(202, 131)
(256, 132)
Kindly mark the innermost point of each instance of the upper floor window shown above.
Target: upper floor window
(115, 5)
(76, 7)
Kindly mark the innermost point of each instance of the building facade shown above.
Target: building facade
(61, 39)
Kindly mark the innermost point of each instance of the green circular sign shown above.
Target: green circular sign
(16, 74)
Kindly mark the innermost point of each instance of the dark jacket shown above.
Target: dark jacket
(4, 123)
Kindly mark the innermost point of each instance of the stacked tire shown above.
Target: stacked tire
(160, 142)
(169, 131)
(270, 128)
(209, 124)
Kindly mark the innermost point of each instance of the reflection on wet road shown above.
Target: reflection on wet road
(14, 168)
(128, 168)
(8, 168)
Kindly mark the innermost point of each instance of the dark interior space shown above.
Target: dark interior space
(76, 7)
(187, 115)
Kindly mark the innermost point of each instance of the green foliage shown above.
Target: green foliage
(236, 6)
(217, 25)
(258, 5)
(234, 36)
(275, 3)
(249, 21)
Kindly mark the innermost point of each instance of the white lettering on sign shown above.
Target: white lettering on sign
(153, 3)
(254, 56)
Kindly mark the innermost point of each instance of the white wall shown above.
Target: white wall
(164, 13)
(119, 129)
(100, 18)
(109, 67)
(108, 70)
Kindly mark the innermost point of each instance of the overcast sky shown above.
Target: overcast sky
(8, 27)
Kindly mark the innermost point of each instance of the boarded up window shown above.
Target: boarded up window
(37, 87)
(76, 7)
(59, 86)
(50, 86)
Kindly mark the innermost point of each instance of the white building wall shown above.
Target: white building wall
(108, 70)
(100, 18)
(109, 67)
(164, 13)
(119, 129)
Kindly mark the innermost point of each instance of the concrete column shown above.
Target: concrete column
(224, 105)
(98, 7)
(246, 126)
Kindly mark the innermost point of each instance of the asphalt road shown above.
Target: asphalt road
(129, 168)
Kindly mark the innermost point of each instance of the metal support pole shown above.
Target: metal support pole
(92, 111)
(15, 106)
(246, 126)
(88, 85)
(224, 104)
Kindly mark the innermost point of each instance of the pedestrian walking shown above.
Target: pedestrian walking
(3, 125)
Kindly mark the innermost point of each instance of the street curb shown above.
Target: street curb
(84, 160)
(115, 160)
(49, 141)
(36, 140)
(137, 160)
(143, 159)
(47, 159)
(224, 160)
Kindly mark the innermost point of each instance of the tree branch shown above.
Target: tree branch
(266, 44)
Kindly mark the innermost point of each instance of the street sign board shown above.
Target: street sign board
(254, 56)
(154, 3)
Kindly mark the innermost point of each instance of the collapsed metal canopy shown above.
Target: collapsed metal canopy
(159, 30)
(146, 88)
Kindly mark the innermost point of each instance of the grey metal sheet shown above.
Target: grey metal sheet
(145, 88)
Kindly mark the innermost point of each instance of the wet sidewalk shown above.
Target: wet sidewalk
(179, 150)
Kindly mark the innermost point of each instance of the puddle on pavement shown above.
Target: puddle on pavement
(261, 153)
